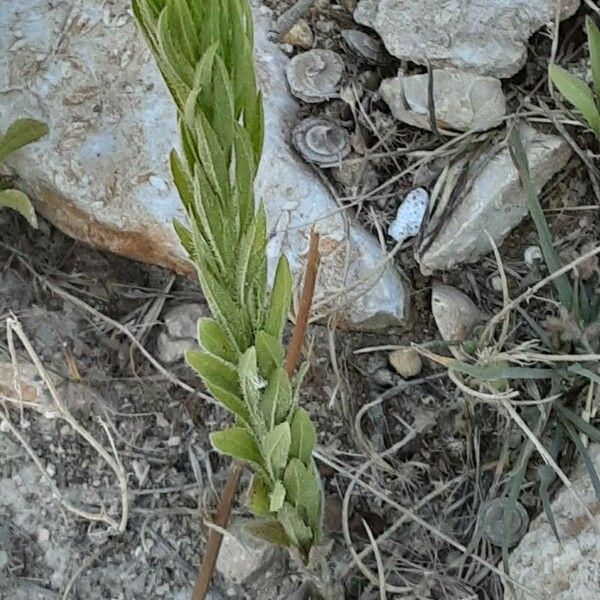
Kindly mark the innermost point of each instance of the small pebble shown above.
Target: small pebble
(174, 441)
(410, 215)
(51, 469)
(300, 35)
(407, 361)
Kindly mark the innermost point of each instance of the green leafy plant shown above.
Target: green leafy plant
(19, 134)
(204, 49)
(585, 99)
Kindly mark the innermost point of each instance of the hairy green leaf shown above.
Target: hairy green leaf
(578, 94)
(269, 353)
(276, 447)
(304, 436)
(281, 298)
(269, 531)
(277, 398)
(213, 338)
(18, 201)
(258, 497)
(19, 134)
(277, 497)
(299, 533)
(238, 443)
(220, 379)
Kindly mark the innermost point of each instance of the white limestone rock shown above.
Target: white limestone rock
(242, 555)
(488, 37)
(463, 101)
(569, 569)
(102, 173)
(494, 205)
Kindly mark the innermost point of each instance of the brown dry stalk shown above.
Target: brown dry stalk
(215, 537)
(310, 279)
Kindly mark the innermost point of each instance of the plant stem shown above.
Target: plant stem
(228, 496)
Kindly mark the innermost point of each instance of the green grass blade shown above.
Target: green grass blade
(592, 432)
(517, 151)
(499, 373)
(578, 369)
(593, 35)
(546, 475)
(587, 461)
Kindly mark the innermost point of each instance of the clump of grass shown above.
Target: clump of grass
(19, 134)
(539, 384)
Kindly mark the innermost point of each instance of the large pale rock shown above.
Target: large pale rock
(462, 101)
(495, 203)
(570, 569)
(102, 174)
(488, 37)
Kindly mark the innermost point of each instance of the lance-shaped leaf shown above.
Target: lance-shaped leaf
(281, 298)
(277, 497)
(258, 497)
(304, 436)
(221, 380)
(19, 134)
(578, 94)
(299, 533)
(593, 36)
(269, 353)
(237, 442)
(18, 201)
(213, 339)
(276, 447)
(276, 400)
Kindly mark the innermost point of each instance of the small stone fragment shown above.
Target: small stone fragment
(300, 35)
(182, 321)
(494, 205)
(364, 46)
(532, 255)
(181, 324)
(316, 75)
(321, 141)
(407, 362)
(171, 350)
(241, 555)
(454, 312)
(356, 171)
(410, 215)
(463, 101)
